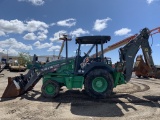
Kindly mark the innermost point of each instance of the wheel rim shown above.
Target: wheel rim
(99, 84)
(50, 89)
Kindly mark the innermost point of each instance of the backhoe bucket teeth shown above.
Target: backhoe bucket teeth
(11, 90)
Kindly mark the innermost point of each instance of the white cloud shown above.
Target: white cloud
(30, 36)
(12, 26)
(41, 36)
(16, 26)
(78, 32)
(56, 36)
(150, 1)
(123, 31)
(68, 22)
(12, 44)
(38, 45)
(2, 33)
(52, 24)
(34, 25)
(34, 2)
(99, 25)
(54, 48)
(12, 51)
(9, 51)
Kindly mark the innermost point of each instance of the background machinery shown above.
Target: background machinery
(97, 77)
(146, 69)
(17, 66)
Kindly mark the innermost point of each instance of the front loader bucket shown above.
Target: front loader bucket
(21, 84)
(11, 89)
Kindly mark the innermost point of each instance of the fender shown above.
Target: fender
(96, 65)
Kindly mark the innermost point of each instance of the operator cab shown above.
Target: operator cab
(95, 41)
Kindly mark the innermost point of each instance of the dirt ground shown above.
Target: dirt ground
(137, 100)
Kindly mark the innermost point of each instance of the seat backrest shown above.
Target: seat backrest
(78, 61)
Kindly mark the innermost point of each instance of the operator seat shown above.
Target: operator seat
(77, 62)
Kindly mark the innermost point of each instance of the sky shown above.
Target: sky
(34, 26)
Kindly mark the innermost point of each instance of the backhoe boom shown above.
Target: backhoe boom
(129, 51)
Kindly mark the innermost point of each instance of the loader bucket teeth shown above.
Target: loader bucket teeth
(11, 90)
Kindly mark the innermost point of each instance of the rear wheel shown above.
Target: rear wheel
(99, 83)
(50, 89)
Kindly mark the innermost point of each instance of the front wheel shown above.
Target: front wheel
(99, 83)
(139, 76)
(50, 89)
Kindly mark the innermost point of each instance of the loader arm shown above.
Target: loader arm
(129, 51)
(23, 83)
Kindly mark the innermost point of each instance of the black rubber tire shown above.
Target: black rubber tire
(55, 84)
(10, 70)
(98, 73)
(145, 76)
(139, 76)
(157, 76)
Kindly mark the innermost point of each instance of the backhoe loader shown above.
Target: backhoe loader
(97, 77)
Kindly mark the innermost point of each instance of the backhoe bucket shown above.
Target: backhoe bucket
(11, 90)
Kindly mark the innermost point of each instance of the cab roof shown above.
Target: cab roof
(92, 39)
